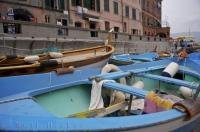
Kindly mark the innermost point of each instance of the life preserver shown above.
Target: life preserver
(116, 96)
(112, 68)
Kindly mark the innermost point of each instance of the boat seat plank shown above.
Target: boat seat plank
(110, 76)
(78, 57)
(127, 89)
(100, 112)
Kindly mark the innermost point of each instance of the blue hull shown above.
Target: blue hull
(19, 111)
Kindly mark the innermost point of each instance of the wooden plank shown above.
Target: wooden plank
(100, 112)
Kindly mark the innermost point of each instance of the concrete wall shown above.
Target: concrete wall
(34, 46)
(36, 38)
(31, 29)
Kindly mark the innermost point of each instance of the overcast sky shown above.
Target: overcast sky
(182, 15)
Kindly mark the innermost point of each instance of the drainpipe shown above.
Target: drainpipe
(122, 11)
(68, 9)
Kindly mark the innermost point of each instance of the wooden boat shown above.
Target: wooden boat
(93, 57)
(72, 114)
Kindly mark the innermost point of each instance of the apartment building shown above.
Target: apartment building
(135, 17)
(122, 15)
(151, 19)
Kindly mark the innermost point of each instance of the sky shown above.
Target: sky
(181, 15)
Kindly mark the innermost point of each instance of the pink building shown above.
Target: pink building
(122, 15)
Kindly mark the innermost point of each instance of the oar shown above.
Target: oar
(100, 112)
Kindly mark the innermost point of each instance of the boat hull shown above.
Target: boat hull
(15, 112)
(92, 59)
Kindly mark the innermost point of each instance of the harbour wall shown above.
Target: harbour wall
(24, 47)
(34, 38)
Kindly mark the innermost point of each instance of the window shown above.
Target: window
(106, 5)
(98, 5)
(89, 4)
(125, 27)
(134, 14)
(127, 11)
(64, 22)
(12, 28)
(76, 2)
(61, 22)
(78, 24)
(55, 4)
(115, 7)
(62, 31)
(107, 25)
(116, 29)
(134, 31)
(61, 4)
(47, 19)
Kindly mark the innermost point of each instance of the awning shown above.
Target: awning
(22, 14)
(95, 20)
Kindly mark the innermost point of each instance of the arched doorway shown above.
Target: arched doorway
(161, 35)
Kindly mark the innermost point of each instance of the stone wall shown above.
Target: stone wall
(34, 38)
(24, 47)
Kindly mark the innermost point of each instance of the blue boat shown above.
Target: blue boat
(195, 57)
(60, 103)
(126, 59)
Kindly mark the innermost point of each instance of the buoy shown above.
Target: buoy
(31, 59)
(139, 85)
(186, 92)
(170, 70)
(55, 55)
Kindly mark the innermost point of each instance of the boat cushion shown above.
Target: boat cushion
(190, 106)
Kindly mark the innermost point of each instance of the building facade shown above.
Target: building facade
(151, 19)
(135, 17)
(122, 15)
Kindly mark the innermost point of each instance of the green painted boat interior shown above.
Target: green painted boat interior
(151, 85)
(70, 100)
(66, 101)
